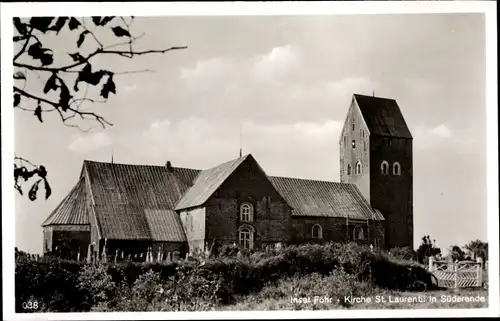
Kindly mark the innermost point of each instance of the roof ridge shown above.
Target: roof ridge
(311, 180)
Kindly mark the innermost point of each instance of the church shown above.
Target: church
(128, 209)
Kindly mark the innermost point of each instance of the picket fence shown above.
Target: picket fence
(460, 274)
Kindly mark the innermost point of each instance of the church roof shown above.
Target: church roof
(138, 202)
(383, 116)
(322, 198)
(71, 210)
(207, 182)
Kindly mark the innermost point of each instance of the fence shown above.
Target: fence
(462, 274)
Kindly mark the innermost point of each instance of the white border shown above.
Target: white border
(9, 10)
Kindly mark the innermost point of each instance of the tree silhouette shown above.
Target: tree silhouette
(67, 76)
(477, 249)
(456, 253)
(426, 249)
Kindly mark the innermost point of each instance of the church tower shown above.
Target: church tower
(376, 156)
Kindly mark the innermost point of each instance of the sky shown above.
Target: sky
(281, 87)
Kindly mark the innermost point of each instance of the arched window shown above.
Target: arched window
(246, 237)
(396, 169)
(358, 233)
(317, 231)
(353, 144)
(348, 169)
(358, 167)
(246, 212)
(384, 168)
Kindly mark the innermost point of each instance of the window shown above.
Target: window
(384, 168)
(396, 169)
(317, 232)
(246, 237)
(348, 169)
(246, 212)
(176, 255)
(358, 233)
(353, 123)
(358, 167)
(345, 140)
(353, 144)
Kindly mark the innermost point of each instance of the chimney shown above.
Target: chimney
(169, 166)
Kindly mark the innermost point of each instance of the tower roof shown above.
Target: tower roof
(383, 116)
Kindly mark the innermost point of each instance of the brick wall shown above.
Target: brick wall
(249, 184)
(392, 194)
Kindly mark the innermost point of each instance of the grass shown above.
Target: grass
(314, 292)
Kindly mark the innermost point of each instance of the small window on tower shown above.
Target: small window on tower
(358, 168)
(353, 124)
(348, 169)
(384, 168)
(396, 169)
(354, 144)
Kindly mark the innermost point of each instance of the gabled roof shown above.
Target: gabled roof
(207, 182)
(132, 201)
(72, 209)
(383, 116)
(322, 198)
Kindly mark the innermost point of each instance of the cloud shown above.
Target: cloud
(279, 62)
(441, 131)
(85, 143)
(207, 73)
(202, 143)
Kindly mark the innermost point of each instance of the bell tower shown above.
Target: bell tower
(376, 156)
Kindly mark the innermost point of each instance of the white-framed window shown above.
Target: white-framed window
(358, 168)
(348, 169)
(245, 236)
(246, 212)
(358, 233)
(396, 169)
(317, 232)
(384, 168)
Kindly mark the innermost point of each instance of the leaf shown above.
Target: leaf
(34, 190)
(76, 57)
(19, 75)
(41, 171)
(60, 22)
(35, 50)
(17, 99)
(120, 32)
(73, 23)
(47, 59)
(81, 38)
(95, 78)
(19, 189)
(48, 190)
(38, 112)
(17, 38)
(50, 84)
(105, 20)
(21, 27)
(64, 97)
(108, 87)
(96, 20)
(41, 23)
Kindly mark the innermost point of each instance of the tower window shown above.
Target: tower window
(345, 140)
(348, 169)
(354, 144)
(384, 168)
(353, 124)
(317, 232)
(358, 168)
(396, 169)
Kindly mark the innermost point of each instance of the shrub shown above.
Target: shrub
(96, 284)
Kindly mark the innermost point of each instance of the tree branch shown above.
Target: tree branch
(138, 53)
(28, 37)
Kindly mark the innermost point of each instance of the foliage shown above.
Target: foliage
(203, 283)
(70, 79)
(427, 249)
(456, 253)
(403, 253)
(477, 248)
